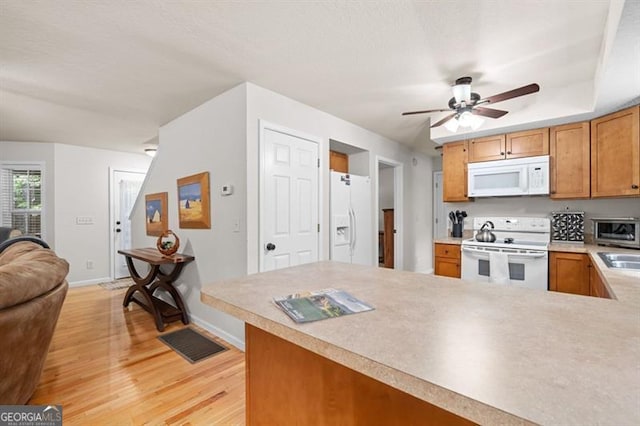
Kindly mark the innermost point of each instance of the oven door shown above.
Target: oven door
(527, 268)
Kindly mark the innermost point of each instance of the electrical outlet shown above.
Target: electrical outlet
(89, 264)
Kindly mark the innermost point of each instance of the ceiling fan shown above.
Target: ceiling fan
(465, 105)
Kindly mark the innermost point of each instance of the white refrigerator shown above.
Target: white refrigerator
(351, 227)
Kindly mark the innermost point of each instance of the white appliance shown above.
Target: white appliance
(519, 256)
(518, 176)
(351, 226)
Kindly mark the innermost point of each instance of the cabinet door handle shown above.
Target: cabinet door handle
(553, 192)
(508, 152)
(502, 153)
(634, 186)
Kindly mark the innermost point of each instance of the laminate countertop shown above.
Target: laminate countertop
(493, 354)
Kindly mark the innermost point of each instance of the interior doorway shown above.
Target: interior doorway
(389, 212)
(125, 186)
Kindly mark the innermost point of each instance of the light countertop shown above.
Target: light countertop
(449, 240)
(489, 353)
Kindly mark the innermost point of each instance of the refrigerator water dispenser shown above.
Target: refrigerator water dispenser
(342, 231)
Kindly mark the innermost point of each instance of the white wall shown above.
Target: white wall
(222, 137)
(77, 184)
(422, 196)
(37, 152)
(272, 107)
(82, 189)
(212, 138)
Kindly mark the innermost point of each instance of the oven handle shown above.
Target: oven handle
(531, 255)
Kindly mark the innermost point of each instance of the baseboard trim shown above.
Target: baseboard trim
(218, 332)
(89, 282)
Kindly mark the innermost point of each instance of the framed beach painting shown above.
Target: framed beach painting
(193, 201)
(156, 213)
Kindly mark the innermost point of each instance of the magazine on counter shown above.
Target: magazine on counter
(319, 305)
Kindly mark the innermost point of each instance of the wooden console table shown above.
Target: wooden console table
(162, 311)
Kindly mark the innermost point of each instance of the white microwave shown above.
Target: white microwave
(518, 176)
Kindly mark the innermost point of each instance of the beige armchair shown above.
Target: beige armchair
(32, 289)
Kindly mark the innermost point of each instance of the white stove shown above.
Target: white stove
(519, 256)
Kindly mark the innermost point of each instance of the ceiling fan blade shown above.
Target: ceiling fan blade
(520, 91)
(425, 111)
(444, 120)
(489, 112)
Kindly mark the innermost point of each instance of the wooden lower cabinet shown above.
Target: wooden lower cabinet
(575, 273)
(597, 287)
(289, 385)
(447, 260)
(569, 273)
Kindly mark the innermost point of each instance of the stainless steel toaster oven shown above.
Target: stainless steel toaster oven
(617, 231)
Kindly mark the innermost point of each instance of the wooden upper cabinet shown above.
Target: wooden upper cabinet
(512, 145)
(615, 154)
(528, 143)
(569, 151)
(338, 162)
(487, 149)
(454, 171)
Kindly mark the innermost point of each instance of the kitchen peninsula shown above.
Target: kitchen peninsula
(487, 353)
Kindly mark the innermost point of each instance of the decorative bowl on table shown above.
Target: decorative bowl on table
(168, 243)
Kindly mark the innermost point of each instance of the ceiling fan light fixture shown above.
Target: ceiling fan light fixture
(452, 125)
(467, 119)
(462, 92)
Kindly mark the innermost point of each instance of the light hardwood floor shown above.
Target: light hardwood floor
(106, 366)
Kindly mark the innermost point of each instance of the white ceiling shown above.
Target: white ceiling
(108, 73)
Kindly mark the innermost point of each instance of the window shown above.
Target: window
(21, 197)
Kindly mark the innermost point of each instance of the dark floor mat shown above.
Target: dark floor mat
(192, 345)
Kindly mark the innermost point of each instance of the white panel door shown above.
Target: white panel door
(126, 186)
(290, 224)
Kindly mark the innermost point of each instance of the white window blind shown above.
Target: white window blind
(21, 198)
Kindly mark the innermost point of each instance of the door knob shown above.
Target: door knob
(270, 246)
(634, 186)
